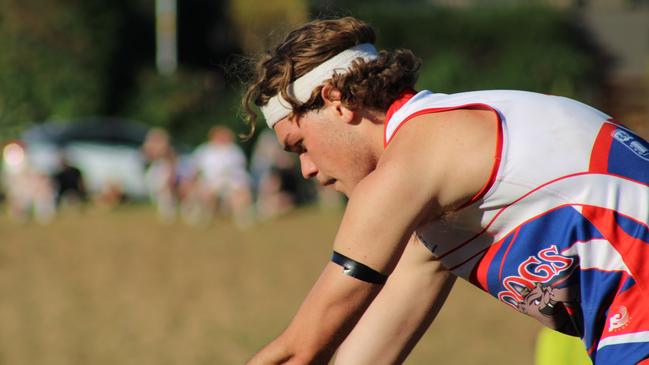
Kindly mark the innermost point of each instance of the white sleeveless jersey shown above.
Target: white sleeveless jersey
(561, 225)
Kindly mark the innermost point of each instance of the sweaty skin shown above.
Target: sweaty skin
(434, 164)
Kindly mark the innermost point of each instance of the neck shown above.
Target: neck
(374, 130)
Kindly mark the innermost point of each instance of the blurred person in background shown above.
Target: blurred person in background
(69, 184)
(29, 192)
(221, 181)
(264, 156)
(162, 173)
(110, 196)
(538, 200)
(274, 172)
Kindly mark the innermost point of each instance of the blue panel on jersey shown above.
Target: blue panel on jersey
(562, 228)
(628, 284)
(633, 228)
(493, 279)
(598, 289)
(622, 354)
(629, 156)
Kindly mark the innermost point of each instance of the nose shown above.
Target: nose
(309, 169)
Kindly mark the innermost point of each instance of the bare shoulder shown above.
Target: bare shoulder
(452, 152)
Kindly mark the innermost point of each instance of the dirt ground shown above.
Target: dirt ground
(119, 287)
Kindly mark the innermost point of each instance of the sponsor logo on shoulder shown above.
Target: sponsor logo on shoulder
(632, 143)
(619, 319)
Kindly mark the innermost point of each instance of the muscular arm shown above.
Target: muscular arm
(401, 313)
(417, 178)
(337, 301)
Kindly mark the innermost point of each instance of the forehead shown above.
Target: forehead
(285, 129)
(311, 125)
(292, 126)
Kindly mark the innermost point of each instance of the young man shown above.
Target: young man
(538, 200)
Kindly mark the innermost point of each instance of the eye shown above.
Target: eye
(297, 147)
(301, 147)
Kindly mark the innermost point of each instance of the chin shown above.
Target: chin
(337, 186)
(347, 191)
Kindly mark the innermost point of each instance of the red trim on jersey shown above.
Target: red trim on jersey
(499, 141)
(516, 235)
(511, 244)
(469, 259)
(435, 110)
(400, 101)
(486, 228)
(592, 347)
(479, 274)
(644, 362)
(494, 168)
(569, 309)
(601, 149)
(634, 251)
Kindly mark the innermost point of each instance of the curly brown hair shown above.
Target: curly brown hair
(371, 84)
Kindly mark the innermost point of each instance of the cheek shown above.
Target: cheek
(337, 156)
(322, 152)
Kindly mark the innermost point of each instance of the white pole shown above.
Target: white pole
(166, 43)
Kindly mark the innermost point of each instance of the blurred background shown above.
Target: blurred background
(138, 228)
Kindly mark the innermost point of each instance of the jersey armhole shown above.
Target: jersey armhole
(497, 153)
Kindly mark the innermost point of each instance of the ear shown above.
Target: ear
(332, 100)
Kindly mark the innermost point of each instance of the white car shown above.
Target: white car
(106, 150)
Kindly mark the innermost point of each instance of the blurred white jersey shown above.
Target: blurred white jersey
(221, 166)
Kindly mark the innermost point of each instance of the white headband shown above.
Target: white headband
(278, 108)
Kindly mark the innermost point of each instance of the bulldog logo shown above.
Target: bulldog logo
(537, 291)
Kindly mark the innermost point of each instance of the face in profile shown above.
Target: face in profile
(330, 150)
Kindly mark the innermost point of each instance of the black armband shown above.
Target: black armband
(357, 270)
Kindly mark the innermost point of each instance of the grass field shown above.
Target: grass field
(120, 288)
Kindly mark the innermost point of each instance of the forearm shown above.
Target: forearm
(322, 322)
(401, 313)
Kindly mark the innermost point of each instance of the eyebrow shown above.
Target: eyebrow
(287, 148)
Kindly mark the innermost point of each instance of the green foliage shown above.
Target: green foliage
(509, 47)
(57, 58)
(188, 103)
(260, 24)
(52, 54)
